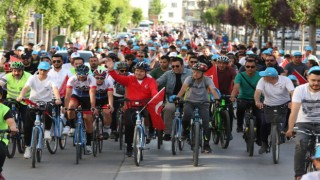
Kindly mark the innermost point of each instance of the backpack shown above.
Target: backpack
(119, 89)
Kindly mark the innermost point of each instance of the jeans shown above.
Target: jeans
(204, 115)
(168, 116)
(3, 149)
(116, 105)
(301, 144)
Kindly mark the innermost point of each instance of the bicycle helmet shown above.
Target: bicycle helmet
(82, 69)
(143, 66)
(16, 65)
(223, 59)
(200, 67)
(6, 67)
(122, 65)
(100, 72)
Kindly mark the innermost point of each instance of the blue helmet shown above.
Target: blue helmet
(142, 66)
(82, 69)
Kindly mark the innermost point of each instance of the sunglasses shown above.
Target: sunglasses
(99, 78)
(129, 59)
(192, 62)
(298, 56)
(250, 67)
(270, 60)
(82, 74)
(122, 70)
(175, 66)
(57, 61)
(140, 56)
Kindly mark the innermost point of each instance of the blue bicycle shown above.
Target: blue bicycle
(79, 138)
(57, 138)
(139, 138)
(176, 133)
(37, 138)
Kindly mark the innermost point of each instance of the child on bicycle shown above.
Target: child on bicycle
(195, 88)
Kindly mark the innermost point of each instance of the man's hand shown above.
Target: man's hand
(289, 105)
(289, 133)
(259, 105)
(19, 98)
(109, 63)
(233, 99)
(14, 130)
(58, 101)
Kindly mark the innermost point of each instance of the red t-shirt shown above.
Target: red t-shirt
(225, 79)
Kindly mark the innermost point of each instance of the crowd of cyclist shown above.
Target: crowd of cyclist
(187, 66)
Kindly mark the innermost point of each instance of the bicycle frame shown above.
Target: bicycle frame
(178, 118)
(57, 129)
(39, 125)
(80, 124)
(140, 125)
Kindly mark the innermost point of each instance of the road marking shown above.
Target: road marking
(165, 172)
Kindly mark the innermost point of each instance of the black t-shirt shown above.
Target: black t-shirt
(206, 60)
(178, 85)
(31, 69)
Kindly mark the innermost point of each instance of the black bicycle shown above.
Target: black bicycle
(250, 130)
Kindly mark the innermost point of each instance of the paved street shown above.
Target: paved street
(232, 163)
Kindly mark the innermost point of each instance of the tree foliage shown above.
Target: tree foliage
(51, 18)
(234, 17)
(137, 16)
(156, 7)
(214, 16)
(261, 12)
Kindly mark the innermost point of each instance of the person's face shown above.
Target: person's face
(314, 82)
(99, 79)
(297, 59)
(42, 47)
(152, 52)
(46, 60)
(197, 74)
(275, 53)
(140, 57)
(222, 65)
(77, 62)
(183, 52)
(17, 73)
(26, 61)
(231, 61)
(43, 72)
(122, 71)
(140, 74)
(57, 62)
(206, 51)
(164, 64)
(165, 50)
(308, 53)
(177, 67)
(192, 61)
(309, 64)
(250, 67)
(116, 50)
(19, 52)
(93, 62)
(129, 61)
(270, 61)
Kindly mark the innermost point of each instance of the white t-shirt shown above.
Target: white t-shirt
(58, 77)
(242, 61)
(40, 90)
(67, 66)
(278, 93)
(311, 176)
(310, 104)
(81, 88)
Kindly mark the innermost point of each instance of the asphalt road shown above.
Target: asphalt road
(222, 164)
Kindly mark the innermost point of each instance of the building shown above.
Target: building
(172, 13)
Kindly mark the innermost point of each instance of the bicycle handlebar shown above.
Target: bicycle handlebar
(306, 132)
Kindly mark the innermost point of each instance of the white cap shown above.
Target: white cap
(122, 43)
(75, 54)
(173, 54)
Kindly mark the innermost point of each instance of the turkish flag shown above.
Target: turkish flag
(63, 87)
(154, 107)
(14, 59)
(212, 73)
(300, 78)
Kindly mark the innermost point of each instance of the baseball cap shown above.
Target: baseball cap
(75, 55)
(44, 65)
(266, 52)
(20, 48)
(152, 49)
(184, 48)
(215, 56)
(136, 48)
(173, 54)
(249, 53)
(293, 77)
(297, 54)
(313, 69)
(34, 52)
(269, 72)
(308, 48)
(165, 46)
(281, 51)
(53, 47)
(122, 43)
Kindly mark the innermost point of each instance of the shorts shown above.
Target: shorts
(102, 102)
(83, 101)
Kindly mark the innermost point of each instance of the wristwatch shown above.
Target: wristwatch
(93, 108)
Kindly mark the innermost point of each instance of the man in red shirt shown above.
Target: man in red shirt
(139, 88)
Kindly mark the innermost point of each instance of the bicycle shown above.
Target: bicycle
(37, 138)
(278, 114)
(313, 144)
(79, 138)
(16, 141)
(120, 126)
(97, 135)
(249, 133)
(220, 123)
(57, 137)
(176, 133)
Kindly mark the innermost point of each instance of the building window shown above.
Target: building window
(174, 5)
(171, 14)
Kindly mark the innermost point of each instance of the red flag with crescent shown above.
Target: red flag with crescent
(154, 107)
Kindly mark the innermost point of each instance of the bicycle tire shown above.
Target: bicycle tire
(77, 143)
(225, 130)
(159, 138)
(120, 128)
(196, 143)
(34, 145)
(95, 139)
(250, 137)
(39, 155)
(100, 135)
(174, 139)
(11, 147)
(214, 131)
(309, 167)
(63, 141)
(52, 144)
(20, 137)
(137, 146)
(275, 144)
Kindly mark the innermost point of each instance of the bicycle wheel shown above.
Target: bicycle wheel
(214, 131)
(196, 143)
(11, 148)
(137, 149)
(174, 139)
(309, 165)
(120, 127)
(159, 138)
(63, 138)
(77, 143)
(225, 130)
(275, 144)
(52, 144)
(95, 140)
(100, 134)
(35, 134)
(250, 137)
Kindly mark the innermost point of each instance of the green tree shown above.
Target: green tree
(121, 14)
(136, 16)
(14, 12)
(52, 11)
(156, 7)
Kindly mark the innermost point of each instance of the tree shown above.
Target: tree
(14, 17)
(136, 16)
(156, 7)
(121, 14)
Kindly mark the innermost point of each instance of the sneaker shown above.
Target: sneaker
(167, 137)
(47, 135)
(264, 148)
(129, 150)
(239, 129)
(113, 135)
(207, 149)
(89, 149)
(105, 133)
(27, 152)
(66, 130)
(71, 132)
